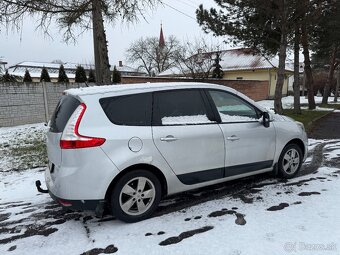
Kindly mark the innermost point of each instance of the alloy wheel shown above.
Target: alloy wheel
(291, 161)
(137, 196)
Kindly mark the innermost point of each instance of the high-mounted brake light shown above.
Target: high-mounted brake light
(71, 139)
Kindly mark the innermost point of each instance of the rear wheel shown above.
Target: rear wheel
(135, 196)
(290, 161)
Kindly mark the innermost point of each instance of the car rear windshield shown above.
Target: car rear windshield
(66, 106)
(129, 110)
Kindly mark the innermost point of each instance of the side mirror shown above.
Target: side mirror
(266, 119)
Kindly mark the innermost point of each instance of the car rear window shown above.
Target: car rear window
(66, 106)
(129, 110)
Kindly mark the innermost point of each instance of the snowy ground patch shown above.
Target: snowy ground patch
(22, 147)
(288, 103)
(256, 215)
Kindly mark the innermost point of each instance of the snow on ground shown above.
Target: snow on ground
(257, 215)
(288, 103)
(22, 147)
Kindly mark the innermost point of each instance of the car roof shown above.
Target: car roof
(111, 90)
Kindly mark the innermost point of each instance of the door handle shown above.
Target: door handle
(169, 138)
(233, 138)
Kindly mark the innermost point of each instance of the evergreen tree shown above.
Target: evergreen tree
(80, 75)
(44, 75)
(92, 77)
(7, 77)
(262, 25)
(62, 77)
(217, 68)
(116, 76)
(27, 77)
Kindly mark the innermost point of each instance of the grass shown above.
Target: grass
(330, 106)
(23, 149)
(307, 117)
(30, 153)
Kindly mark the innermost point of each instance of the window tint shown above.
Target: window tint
(179, 107)
(130, 110)
(62, 113)
(232, 108)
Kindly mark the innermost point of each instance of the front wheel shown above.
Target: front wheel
(135, 196)
(290, 161)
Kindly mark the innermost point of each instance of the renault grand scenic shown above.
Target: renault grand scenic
(127, 146)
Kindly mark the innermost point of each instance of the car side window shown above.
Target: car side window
(232, 108)
(129, 110)
(179, 107)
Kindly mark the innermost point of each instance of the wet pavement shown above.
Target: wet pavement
(327, 127)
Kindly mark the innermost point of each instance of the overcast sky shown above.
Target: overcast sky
(30, 44)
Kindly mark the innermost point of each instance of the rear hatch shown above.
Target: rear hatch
(66, 106)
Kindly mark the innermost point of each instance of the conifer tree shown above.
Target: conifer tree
(217, 68)
(27, 77)
(116, 76)
(92, 77)
(62, 77)
(7, 77)
(80, 75)
(44, 75)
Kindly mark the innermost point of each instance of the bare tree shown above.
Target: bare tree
(83, 14)
(152, 57)
(196, 59)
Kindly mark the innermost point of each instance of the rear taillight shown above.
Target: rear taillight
(71, 139)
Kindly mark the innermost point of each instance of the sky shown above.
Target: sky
(30, 44)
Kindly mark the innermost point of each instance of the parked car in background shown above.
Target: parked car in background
(128, 146)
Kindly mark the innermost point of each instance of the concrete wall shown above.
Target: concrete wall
(26, 103)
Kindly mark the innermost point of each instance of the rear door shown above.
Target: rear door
(249, 145)
(61, 115)
(185, 135)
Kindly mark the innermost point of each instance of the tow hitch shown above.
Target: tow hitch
(38, 185)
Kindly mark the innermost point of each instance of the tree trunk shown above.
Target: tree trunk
(308, 69)
(101, 57)
(282, 62)
(296, 85)
(304, 84)
(330, 76)
(337, 87)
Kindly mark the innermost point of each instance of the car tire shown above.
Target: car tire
(135, 196)
(290, 161)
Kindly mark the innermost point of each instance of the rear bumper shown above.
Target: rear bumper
(80, 205)
(82, 174)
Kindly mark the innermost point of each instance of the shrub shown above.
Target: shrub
(92, 77)
(44, 75)
(80, 75)
(27, 77)
(116, 76)
(62, 77)
(8, 77)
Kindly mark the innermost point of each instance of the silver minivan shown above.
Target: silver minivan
(125, 147)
